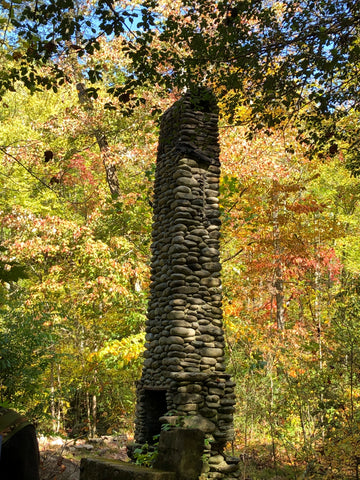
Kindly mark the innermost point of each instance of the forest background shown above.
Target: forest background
(82, 86)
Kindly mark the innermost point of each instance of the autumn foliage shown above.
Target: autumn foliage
(77, 162)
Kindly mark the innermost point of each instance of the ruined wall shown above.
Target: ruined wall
(184, 371)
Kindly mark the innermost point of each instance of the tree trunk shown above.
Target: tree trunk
(279, 299)
(60, 402)
(94, 415)
(110, 167)
(88, 413)
(278, 282)
(52, 398)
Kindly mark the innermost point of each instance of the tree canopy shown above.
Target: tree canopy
(277, 58)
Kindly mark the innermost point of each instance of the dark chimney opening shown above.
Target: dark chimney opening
(155, 406)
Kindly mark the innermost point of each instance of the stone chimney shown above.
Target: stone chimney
(183, 382)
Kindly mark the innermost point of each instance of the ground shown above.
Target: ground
(60, 458)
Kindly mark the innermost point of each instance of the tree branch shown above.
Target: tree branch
(2, 149)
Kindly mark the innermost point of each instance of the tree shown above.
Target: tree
(281, 60)
(73, 260)
(297, 385)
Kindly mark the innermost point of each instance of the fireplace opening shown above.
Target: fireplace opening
(155, 407)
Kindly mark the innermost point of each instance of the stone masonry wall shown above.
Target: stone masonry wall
(184, 371)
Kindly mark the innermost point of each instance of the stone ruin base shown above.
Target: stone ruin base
(187, 451)
(183, 454)
(205, 402)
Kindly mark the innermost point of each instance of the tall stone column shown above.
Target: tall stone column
(183, 379)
